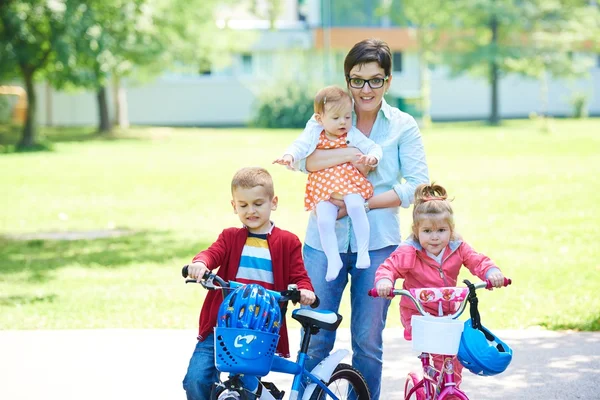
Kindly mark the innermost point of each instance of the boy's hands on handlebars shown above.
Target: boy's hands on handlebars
(384, 287)
(197, 270)
(307, 297)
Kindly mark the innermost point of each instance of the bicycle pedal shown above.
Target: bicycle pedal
(270, 386)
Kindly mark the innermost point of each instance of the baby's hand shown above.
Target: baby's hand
(286, 160)
(497, 278)
(384, 287)
(366, 159)
(307, 297)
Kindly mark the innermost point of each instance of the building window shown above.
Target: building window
(247, 64)
(397, 61)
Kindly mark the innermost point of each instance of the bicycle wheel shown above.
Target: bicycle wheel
(218, 392)
(345, 383)
(413, 380)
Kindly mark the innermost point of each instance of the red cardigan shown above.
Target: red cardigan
(226, 252)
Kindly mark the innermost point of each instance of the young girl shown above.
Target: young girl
(333, 110)
(432, 257)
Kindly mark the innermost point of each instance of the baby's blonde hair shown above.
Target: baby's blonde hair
(333, 95)
(250, 177)
(431, 201)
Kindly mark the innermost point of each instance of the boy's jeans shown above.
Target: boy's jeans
(368, 314)
(201, 373)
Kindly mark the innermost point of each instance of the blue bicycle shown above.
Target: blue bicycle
(248, 354)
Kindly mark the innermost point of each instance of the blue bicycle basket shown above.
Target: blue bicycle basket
(247, 331)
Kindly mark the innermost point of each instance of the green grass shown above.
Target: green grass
(527, 199)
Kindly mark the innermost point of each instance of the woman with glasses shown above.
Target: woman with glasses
(368, 72)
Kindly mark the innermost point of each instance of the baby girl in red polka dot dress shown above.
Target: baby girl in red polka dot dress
(333, 110)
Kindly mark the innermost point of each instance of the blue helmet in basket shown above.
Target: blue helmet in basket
(250, 307)
(481, 352)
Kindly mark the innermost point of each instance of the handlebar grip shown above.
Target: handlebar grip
(507, 281)
(316, 303)
(373, 293)
(184, 273)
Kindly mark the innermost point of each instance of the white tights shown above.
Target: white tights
(326, 217)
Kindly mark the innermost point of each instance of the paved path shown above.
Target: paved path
(149, 364)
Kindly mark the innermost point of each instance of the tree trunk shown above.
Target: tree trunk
(425, 92)
(494, 114)
(29, 129)
(104, 125)
(120, 101)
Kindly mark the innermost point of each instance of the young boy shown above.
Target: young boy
(257, 253)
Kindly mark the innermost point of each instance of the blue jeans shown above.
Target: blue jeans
(368, 315)
(201, 372)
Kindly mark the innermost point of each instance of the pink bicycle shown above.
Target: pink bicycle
(476, 348)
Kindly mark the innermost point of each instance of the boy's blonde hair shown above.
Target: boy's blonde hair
(330, 95)
(250, 177)
(431, 201)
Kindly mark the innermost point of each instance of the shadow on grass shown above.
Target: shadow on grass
(38, 258)
(48, 136)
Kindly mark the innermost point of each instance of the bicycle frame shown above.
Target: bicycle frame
(316, 378)
(432, 380)
(437, 385)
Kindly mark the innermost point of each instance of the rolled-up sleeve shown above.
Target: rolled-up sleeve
(413, 163)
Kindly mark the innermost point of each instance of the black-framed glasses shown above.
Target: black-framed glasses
(374, 83)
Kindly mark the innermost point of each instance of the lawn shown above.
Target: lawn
(527, 199)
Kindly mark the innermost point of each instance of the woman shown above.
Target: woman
(368, 70)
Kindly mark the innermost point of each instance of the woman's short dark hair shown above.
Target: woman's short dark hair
(366, 51)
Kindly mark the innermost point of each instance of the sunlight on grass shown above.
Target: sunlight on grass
(527, 199)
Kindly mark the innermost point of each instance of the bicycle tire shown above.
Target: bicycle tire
(413, 380)
(216, 391)
(344, 380)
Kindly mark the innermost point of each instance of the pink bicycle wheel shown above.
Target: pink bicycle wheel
(412, 381)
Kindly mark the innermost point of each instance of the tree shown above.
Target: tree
(558, 33)
(428, 21)
(113, 37)
(485, 34)
(29, 35)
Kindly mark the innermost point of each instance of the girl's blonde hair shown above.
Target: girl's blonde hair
(431, 201)
(330, 95)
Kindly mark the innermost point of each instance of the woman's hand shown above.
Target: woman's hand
(342, 212)
(307, 297)
(384, 287)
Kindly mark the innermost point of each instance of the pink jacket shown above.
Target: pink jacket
(411, 263)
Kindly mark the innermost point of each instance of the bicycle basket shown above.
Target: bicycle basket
(433, 335)
(244, 351)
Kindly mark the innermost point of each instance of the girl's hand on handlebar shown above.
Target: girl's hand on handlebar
(197, 270)
(307, 297)
(384, 287)
(496, 278)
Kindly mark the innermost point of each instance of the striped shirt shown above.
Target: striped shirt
(255, 263)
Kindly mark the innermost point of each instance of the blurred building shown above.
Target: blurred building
(308, 44)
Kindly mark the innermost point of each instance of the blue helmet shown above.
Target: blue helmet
(250, 307)
(481, 352)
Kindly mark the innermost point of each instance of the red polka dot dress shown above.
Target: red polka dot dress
(342, 179)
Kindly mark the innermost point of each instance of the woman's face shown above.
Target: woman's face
(368, 99)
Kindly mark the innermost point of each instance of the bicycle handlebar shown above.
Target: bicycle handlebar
(487, 284)
(208, 282)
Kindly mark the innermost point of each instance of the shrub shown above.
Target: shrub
(286, 106)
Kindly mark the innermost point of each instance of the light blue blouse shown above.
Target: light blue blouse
(402, 167)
